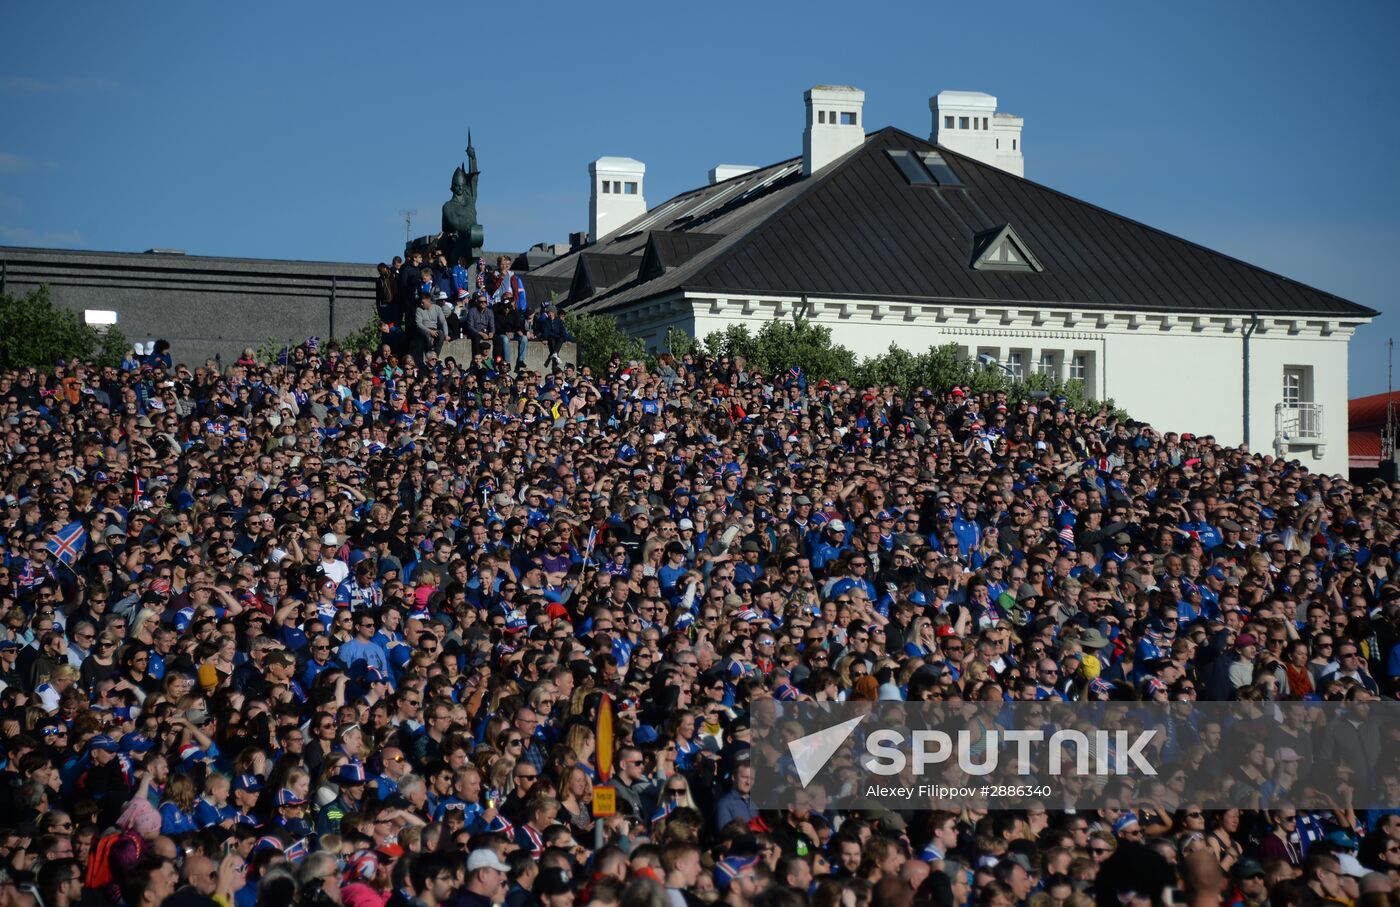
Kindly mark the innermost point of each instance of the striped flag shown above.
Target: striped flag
(298, 851)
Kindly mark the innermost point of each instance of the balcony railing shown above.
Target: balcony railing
(1298, 422)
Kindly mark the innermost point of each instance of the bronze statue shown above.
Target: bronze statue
(461, 234)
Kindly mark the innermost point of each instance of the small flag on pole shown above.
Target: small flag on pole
(68, 543)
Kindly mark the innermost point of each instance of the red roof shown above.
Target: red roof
(1364, 444)
(1369, 412)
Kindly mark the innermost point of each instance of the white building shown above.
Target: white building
(888, 239)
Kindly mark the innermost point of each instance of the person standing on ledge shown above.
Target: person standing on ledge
(429, 327)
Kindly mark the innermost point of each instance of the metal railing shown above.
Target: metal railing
(1298, 421)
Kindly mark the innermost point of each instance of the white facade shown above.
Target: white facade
(835, 124)
(1178, 372)
(967, 122)
(615, 194)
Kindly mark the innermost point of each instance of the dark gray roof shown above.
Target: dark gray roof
(858, 229)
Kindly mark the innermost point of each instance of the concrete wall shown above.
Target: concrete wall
(1180, 373)
(204, 306)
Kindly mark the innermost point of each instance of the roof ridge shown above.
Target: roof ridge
(809, 185)
(962, 158)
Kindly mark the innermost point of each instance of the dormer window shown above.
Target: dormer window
(1002, 250)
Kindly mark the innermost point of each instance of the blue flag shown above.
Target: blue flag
(68, 543)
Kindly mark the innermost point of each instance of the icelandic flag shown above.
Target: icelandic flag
(68, 543)
(592, 542)
(298, 851)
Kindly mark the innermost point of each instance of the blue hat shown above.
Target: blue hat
(1267, 513)
(250, 783)
(1217, 573)
(287, 797)
(730, 868)
(374, 675)
(137, 742)
(104, 743)
(351, 773)
(1124, 822)
(8, 644)
(645, 734)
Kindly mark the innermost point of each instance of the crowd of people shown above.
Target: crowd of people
(335, 630)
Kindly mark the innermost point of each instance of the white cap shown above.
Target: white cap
(837, 525)
(329, 539)
(485, 859)
(685, 523)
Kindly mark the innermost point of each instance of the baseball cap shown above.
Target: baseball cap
(730, 868)
(351, 773)
(137, 742)
(485, 859)
(248, 782)
(104, 743)
(1248, 868)
(287, 797)
(552, 880)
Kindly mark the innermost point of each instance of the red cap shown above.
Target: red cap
(945, 631)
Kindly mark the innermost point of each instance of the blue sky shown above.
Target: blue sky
(300, 130)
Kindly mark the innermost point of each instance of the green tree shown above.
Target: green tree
(599, 339)
(368, 339)
(35, 332)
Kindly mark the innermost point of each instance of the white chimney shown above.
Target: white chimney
(721, 172)
(834, 124)
(967, 122)
(615, 194)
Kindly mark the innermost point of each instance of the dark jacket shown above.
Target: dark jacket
(552, 328)
(479, 321)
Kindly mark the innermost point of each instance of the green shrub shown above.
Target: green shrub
(35, 332)
(599, 339)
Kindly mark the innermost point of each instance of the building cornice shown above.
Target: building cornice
(989, 320)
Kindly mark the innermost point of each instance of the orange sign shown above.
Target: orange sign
(604, 739)
(604, 801)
